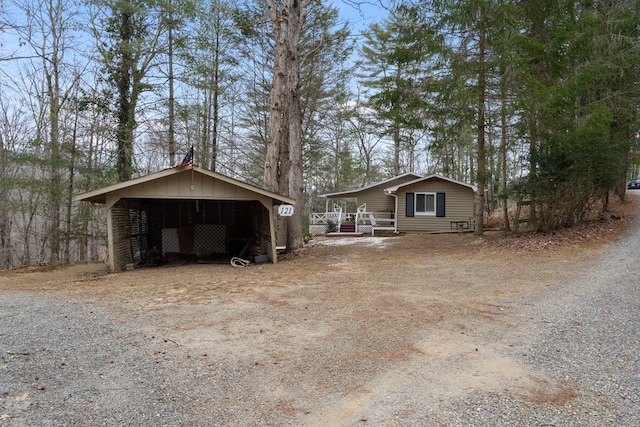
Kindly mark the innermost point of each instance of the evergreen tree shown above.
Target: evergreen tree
(210, 61)
(579, 104)
(396, 65)
(128, 35)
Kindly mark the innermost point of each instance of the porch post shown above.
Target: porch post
(395, 213)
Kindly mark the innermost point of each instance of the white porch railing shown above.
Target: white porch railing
(365, 222)
(323, 218)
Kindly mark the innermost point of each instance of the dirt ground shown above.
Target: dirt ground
(342, 312)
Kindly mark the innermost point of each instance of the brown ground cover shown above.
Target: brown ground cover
(354, 315)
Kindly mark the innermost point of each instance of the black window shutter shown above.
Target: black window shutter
(439, 204)
(410, 200)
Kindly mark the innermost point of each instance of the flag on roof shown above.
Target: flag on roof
(187, 161)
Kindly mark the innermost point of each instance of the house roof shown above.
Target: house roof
(395, 188)
(183, 183)
(409, 175)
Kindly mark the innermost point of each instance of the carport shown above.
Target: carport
(187, 212)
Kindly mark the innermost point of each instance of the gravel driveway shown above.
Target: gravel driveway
(319, 349)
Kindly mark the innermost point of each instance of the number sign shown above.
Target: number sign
(285, 210)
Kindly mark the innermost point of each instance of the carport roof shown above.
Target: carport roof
(162, 184)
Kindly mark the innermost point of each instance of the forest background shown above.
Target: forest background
(534, 101)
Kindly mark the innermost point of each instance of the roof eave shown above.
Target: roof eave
(100, 195)
(366, 187)
(395, 188)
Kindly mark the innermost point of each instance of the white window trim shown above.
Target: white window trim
(415, 204)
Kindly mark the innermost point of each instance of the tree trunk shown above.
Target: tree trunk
(295, 190)
(396, 149)
(482, 176)
(396, 133)
(55, 180)
(275, 128)
(125, 145)
(216, 102)
(171, 109)
(283, 157)
(503, 159)
(71, 189)
(5, 226)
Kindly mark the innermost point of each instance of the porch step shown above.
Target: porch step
(348, 227)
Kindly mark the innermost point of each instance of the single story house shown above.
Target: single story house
(189, 212)
(405, 203)
(433, 203)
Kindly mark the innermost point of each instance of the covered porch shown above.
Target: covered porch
(364, 210)
(339, 220)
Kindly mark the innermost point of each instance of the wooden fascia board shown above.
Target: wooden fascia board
(99, 195)
(120, 189)
(395, 188)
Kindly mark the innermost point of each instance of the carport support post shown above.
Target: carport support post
(111, 200)
(274, 239)
(267, 202)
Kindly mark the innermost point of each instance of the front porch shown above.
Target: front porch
(339, 222)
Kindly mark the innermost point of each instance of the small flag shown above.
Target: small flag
(187, 161)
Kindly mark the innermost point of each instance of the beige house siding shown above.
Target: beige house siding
(459, 206)
(375, 197)
(180, 187)
(376, 200)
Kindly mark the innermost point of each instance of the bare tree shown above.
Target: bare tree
(46, 32)
(283, 159)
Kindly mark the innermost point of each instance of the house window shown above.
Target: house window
(425, 203)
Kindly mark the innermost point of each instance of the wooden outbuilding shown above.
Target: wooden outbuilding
(187, 212)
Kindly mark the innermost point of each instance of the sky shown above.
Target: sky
(360, 13)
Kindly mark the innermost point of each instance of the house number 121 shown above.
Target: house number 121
(285, 210)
